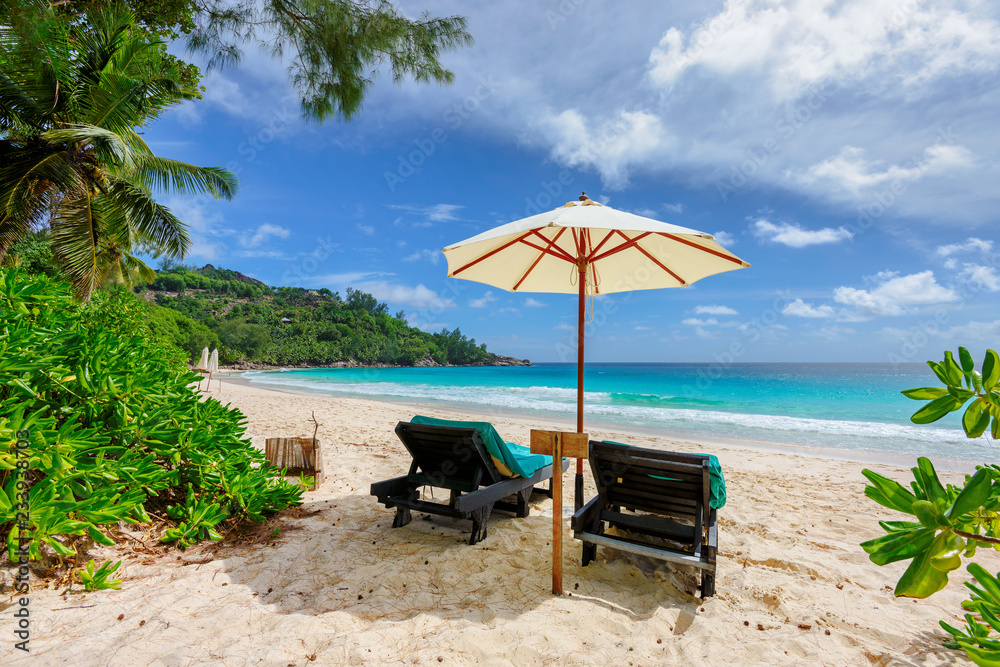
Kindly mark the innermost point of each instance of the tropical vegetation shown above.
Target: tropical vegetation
(72, 96)
(333, 49)
(115, 433)
(287, 326)
(952, 522)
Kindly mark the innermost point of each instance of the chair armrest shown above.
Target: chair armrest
(584, 517)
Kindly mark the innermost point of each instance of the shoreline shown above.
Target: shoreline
(599, 426)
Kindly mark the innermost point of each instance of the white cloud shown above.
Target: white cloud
(695, 322)
(270, 254)
(986, 276)
(532, 303)
(985, 331)
(433, 256)
(564, 326)
(674, 208)
(971, 244)
(895, 295)
(851, 172)
(724, 239)
(348, 279)
(263, 233)
(431, 214)
(405, 295)
(508, 311)
(483, 301)
(714, 310)
(208, 235)
(639, 327)
(606, 144)
(795, 45)
(800, 308)
(794, 236)
(832, 332)
(367, 230)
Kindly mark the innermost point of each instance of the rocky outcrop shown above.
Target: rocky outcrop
(500, 360)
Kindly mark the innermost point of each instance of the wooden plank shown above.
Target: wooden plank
(574, 445)
(652, 552)
(652, 525)
(425, 506)
(492, 493)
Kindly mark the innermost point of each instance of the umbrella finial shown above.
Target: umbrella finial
(583, 196)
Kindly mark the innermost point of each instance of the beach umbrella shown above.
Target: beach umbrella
(202, 366)
(588, 249)
(213, 367)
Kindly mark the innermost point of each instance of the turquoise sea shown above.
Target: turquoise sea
(854, 410)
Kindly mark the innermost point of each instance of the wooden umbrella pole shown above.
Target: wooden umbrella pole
(578, 486)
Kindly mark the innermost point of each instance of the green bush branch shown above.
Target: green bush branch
(951, 521)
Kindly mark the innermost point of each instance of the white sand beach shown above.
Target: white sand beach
(338, 585)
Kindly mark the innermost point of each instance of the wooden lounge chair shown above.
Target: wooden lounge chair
(456, 459)
(671, 518)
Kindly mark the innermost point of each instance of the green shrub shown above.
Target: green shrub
(952, 522)
(176, 328)
(114, 427)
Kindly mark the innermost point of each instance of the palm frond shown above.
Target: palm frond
(173, 176)
(75, 236)
(147, 221)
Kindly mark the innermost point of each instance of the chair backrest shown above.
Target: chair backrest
(666, 483)
(447, 456)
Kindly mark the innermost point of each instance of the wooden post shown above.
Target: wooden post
(557, 474)
(581, 310)
(558, 444)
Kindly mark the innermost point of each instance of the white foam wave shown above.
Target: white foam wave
(556, 400)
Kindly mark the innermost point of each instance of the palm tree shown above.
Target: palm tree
(71, 98)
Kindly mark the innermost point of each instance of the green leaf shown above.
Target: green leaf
(903, 545)
(100, 537)
(968, 365)
(888, 492)
(952, 369)
(990, 584)
(975, 420)
(928, 514)
(973, 495)
(921, 578)
(931, 484)
(982, 656)
(935, 410)
(925, 393)
(991, 370)
(940, 372)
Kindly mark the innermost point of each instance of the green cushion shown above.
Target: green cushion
(518, 458)
(717, 494)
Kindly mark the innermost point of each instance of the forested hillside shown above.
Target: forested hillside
(252, 323)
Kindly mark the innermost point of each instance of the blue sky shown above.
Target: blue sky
(848, 151)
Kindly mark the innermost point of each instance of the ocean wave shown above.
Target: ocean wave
(646, 410)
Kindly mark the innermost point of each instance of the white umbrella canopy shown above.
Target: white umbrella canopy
(203, 362)
(586, 248)
(213, 362)
(544, 253)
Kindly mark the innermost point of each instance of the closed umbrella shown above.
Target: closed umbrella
(202, 366)
(213, 367)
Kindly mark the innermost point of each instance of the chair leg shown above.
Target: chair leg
(403, 516)
(589, 553)
(707, 584)
(480, 518)
(523, 508)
